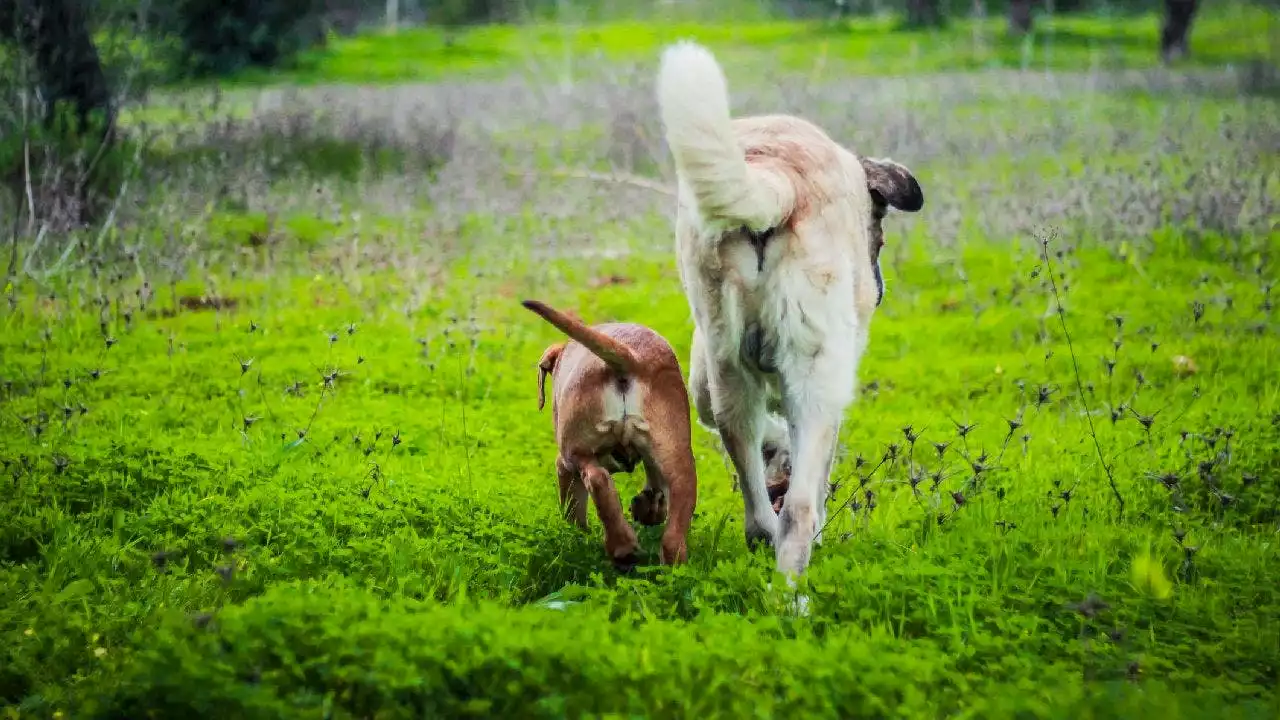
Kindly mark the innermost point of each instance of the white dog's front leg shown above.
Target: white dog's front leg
(815, 395)
(825, 487)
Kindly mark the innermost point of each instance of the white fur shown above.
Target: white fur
(815, 296)
(694, 101)
(623, 418)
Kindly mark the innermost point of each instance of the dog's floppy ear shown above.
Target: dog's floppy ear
(893, 184)
(546, 366)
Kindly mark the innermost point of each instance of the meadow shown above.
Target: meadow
(271, 448)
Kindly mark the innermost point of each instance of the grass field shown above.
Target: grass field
(271, 445)
(1235, 33)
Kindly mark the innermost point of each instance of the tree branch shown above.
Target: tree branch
(616, 178)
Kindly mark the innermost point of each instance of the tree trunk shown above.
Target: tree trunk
(393, 15)
(1178, 15)
(923, 13)
(55, 33)
(1019, 16)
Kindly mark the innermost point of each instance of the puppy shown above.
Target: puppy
(619, 400)
(778, 238)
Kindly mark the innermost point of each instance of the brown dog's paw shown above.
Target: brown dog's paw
(626, 562)
(649, 507)
(674, 551)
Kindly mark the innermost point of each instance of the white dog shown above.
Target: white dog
(778, 237)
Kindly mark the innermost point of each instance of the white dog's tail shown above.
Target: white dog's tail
(694, 100)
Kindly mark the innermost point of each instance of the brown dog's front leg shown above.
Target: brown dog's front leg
(619, 539)
(573, 493)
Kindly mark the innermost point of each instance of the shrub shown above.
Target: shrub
(467, 12)
(222, 36)
(67, 172)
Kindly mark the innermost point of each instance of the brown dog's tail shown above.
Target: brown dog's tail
(616, 355)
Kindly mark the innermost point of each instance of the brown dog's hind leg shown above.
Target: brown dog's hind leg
(573, 493)
(619, 539)
(673, 466)
(649, 506)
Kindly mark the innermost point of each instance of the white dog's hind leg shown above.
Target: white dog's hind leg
(775, 430)
(700, 383)
(738, 405)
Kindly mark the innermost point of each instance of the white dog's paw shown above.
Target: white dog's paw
(761, 528)
(798, 604)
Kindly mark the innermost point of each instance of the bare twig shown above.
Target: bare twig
(832, 515)
(1093, 432)
(24, 130)
(35, 248)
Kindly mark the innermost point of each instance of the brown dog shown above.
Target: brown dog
(619, 400)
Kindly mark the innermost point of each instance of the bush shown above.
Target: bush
(69, 173)
(223, 36)
(461, 13)
(312, 650)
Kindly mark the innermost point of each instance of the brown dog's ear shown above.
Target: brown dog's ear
(893, 184)
(546, 366)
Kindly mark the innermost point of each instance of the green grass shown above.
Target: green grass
(400, 555)
(874, 46)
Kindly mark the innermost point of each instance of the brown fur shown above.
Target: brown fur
(592, 373)
(804, 154)
(890, 184)
(777, 476)
(792, 147)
